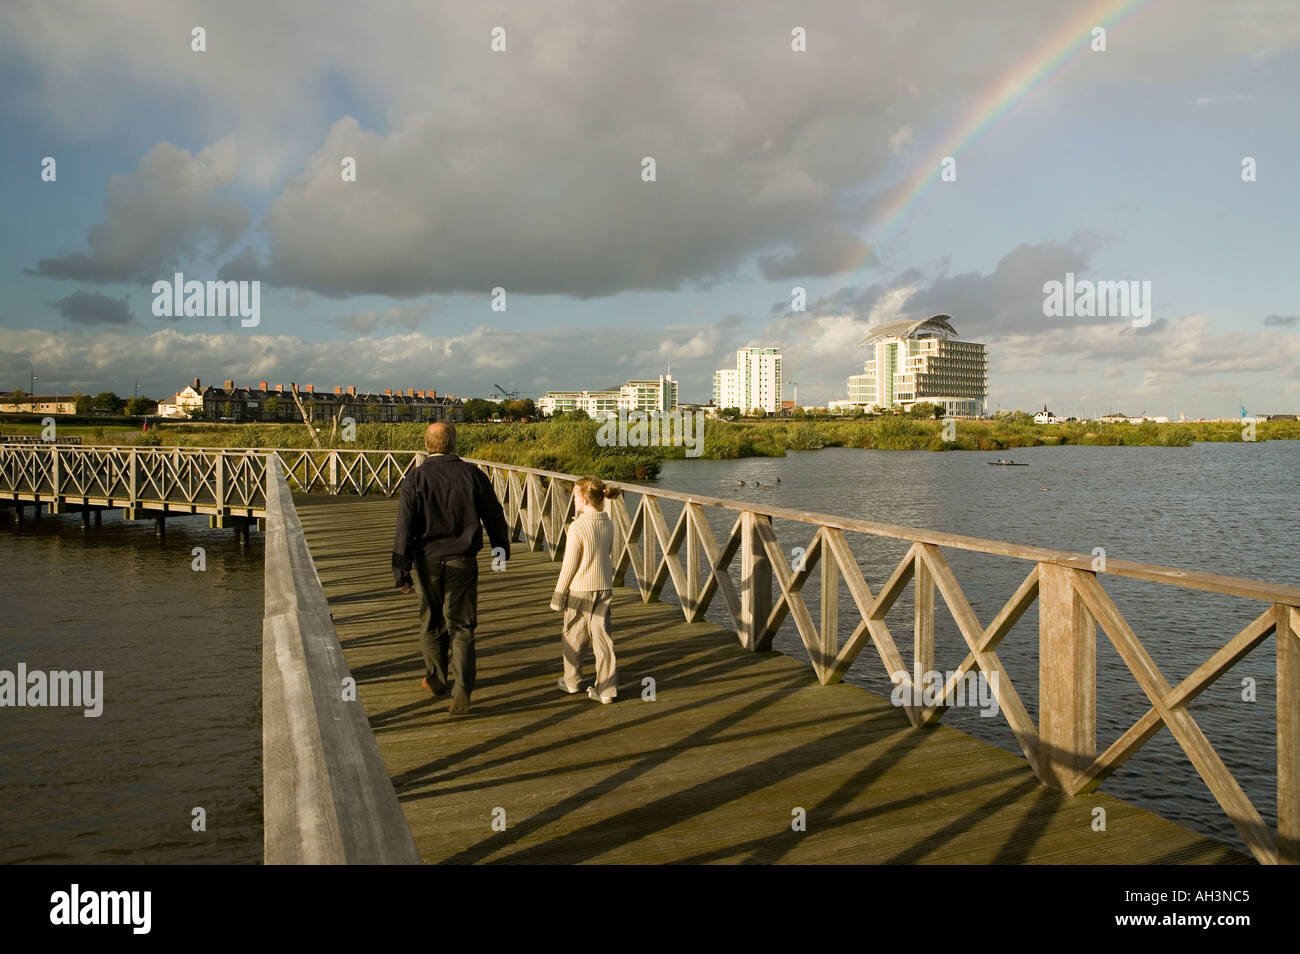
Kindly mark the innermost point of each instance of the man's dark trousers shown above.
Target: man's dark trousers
(448, 588)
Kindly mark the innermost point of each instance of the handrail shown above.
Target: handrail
(327, 796)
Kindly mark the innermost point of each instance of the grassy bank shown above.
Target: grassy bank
(570, 446)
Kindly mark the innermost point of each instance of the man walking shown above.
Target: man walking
(445, 503)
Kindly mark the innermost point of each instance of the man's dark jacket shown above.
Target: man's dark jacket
(445, 503)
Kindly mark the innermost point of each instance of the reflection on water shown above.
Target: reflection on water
(181, 726)
(1224, 508)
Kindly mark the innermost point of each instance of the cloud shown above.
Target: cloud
(900, 140)
(156, 214)
(91, 308)
(1282, 321)
(467, 363)
(397, 316)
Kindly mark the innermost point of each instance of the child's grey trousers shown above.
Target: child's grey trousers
(586, 617)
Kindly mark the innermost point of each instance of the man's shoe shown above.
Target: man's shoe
(595, 696)
(564, 688)
(437, 688)
(459, 704)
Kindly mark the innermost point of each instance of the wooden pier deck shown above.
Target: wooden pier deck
(710, 771)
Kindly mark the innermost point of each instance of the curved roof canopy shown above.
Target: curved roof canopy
(936, 325)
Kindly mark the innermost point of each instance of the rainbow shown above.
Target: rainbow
(1070, 40)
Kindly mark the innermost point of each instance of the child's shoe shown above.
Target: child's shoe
(564, 688)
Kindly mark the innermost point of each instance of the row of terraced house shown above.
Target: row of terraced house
(266, 403)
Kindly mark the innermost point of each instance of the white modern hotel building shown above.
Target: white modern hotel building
(914, 361)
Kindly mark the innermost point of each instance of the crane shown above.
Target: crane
(508, 395)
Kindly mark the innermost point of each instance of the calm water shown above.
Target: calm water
(181, 726)
(1225, 508)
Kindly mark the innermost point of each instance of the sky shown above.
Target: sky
(794, 146)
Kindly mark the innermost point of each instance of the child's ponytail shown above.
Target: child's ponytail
(596, 492)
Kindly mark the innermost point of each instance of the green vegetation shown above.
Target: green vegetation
(569, 444)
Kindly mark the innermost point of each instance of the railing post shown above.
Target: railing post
(133, 476)
(829, 644)
(923, 630)
(1067, 678)
(647, 549)
(56, 502)
(755, 581)
(220, 489)
(691, 598)
(334, 472)
(1288, 734)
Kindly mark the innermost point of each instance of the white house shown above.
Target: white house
(1045, 416)
(184, 402)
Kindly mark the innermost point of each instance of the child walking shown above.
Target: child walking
(585, 590)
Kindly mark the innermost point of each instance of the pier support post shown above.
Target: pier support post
(85, 518)
(755, 581)
(1067, 678)
(1288, 734)
(99, 517)
(160, 526)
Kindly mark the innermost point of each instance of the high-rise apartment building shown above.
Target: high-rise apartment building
(754, 384)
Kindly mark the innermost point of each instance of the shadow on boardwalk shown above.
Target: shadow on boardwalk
(715, 769)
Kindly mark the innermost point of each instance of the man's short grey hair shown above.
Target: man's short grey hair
(440, 438)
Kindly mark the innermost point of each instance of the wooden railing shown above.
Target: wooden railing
(1061, 748)
(166, 480)
(327, 797)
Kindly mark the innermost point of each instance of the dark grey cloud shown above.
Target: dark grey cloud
(1282, 321)
(91, 308)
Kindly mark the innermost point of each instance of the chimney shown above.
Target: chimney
(433, 395)
(388, 392)
(196, 384)
(311, 389)
(230, 385)
(261, 385)
(410, 392)
(419, 394)
(352, 390)
(338, 389)
(280, 388)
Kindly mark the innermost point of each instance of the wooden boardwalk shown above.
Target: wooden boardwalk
(710, 771)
